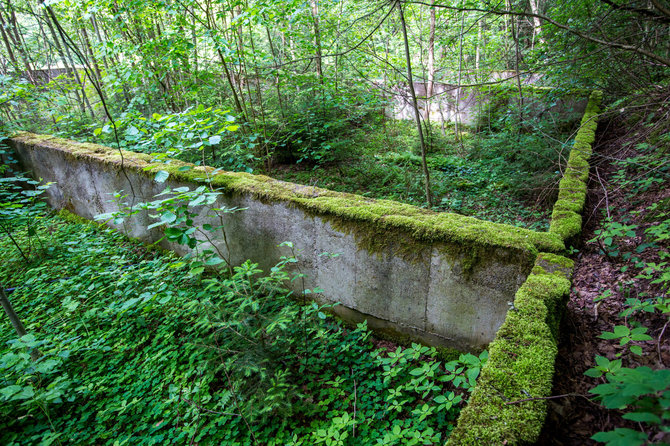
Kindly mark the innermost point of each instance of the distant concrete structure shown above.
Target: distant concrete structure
(467, 105)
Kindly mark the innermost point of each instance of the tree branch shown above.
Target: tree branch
(658, 58)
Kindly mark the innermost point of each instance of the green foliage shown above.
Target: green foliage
(644, 394)
(20, 202)
(641, 392)
(198, 134)
(469, 185)
(611, 234)
(136, 349)
(319, 124)
(626, 335)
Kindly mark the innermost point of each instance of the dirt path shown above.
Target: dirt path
(573, 419)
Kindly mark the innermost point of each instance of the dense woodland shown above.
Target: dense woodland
(306, 91)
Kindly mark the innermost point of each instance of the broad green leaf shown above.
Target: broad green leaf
(643, 417)
(214, 260)
(161, 176)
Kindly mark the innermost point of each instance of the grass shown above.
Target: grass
(476, 178)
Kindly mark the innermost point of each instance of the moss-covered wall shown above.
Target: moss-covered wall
(441, 277)
(506, 406)
(566, 219)
(520, 365)
(455, 261)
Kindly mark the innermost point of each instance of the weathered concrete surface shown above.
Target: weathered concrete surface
(470, 105)
(443, 294)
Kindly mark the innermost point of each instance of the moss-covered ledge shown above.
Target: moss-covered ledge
(566, 219)
(384, 217)
(506, 406)
(501, 409)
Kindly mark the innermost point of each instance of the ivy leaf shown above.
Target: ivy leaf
(173, 233)
(197, 271)
(417, 371)
(214, 260)
(621, 437)
(594, 373)
(168, 217)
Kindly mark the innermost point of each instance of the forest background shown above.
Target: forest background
(301, 90)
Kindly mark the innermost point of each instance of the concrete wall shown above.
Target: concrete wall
(441, 278)
(470, 105)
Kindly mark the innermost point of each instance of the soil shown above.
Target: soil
(573, 415)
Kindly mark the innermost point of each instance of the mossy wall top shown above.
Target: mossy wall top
(508, 406)
(422, 224)
(445, 279)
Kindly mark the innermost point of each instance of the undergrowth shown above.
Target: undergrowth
(634, 238)
(478, 178)
(136, 349)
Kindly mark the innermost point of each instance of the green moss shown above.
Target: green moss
(566, 224)
(374, 223)
(74, 218)
(521, 358)
(566, 220)
(553, 262)
(521, 363)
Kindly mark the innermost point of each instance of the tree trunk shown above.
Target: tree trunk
(537, 22)
(317, 38)
(16, 322)
(11, 314)
(458, 87)
(417, 116)
(10, 53)
(87, 103)
(431, 62)
(89, 50)
(68, 68)
(15, 39)
(480, 45)
(515, 35)
(277, 62)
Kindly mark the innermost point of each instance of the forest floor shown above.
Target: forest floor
(481, 178)
(625, 188)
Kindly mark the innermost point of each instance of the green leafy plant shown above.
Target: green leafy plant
(611, 234)
(627, 335)
(144, 352)
(644, 394)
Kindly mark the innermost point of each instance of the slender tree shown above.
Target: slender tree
(417, 115)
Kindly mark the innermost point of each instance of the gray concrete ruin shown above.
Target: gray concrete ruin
(443, 279)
